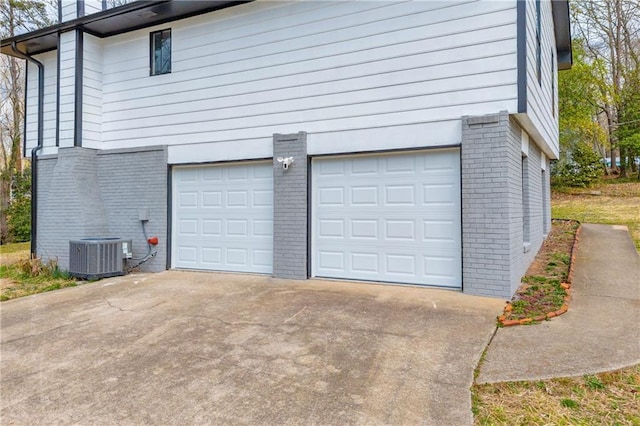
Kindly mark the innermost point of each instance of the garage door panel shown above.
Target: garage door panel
(400, 230)
(391, 217)
(331, 228)
(188, 199)
(212, 199)
(212, 227)
(188, 254)
(440, 230)
(364, 229)
(400, 164)
(400, 195)
(366, 195)
(231, 228)
(212, 256)
(364, 262)
(401, 264)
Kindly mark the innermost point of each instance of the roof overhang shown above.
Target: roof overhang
(122, 19)
(562, 30)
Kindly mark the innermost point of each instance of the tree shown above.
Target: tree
(611, 31)
(16, 16)
(579, 103)
(19, 212)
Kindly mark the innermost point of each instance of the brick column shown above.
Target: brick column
(290, 195)
(491, 205)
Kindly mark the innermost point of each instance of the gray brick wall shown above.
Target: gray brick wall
(88, 193)
(494, 257)
(130, 181)
(290, 219)
(69, 207)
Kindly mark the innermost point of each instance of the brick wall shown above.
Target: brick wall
(131, 181)
(494, 254)
(290, 219)
(88, 193)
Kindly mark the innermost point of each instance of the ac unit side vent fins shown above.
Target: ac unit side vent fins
(93, 258)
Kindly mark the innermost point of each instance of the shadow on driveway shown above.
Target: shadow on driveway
(188, 347)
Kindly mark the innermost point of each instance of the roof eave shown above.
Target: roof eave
(562, 32)
(118, 20)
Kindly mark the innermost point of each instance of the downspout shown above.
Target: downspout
(34, 151)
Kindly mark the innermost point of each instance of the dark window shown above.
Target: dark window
(553, 84)
(161, 52)
(538, 44)
(526, 217)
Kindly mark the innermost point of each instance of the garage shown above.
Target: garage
(391, 217)
(222, 217)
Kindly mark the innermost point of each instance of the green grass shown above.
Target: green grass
(21, 276)
(617, 204)
(14, 247)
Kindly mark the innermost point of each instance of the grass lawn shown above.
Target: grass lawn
(613, 203)
(21, 276)
(611, 398)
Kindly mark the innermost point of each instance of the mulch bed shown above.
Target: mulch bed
(544, 290)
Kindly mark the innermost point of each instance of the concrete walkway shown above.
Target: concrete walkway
(205, 348)
(601, 330)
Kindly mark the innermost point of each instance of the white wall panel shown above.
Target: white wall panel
(67, 88)
(540, 102)
(247, 72)
(92, 92)
(49, 60)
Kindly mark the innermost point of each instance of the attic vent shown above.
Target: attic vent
(92, 258)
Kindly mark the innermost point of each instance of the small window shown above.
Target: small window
(161, 52)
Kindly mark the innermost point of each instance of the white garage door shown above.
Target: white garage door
(392, 217)
(223, 217)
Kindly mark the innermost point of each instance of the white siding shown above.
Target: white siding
(49, 60)
(92, 6)
(92, 92)
(67, 87)
(328, 68)
(539, 96)
(69, 10)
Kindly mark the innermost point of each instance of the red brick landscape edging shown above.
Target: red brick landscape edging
(504, 318)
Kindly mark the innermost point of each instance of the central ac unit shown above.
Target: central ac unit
(98, 257)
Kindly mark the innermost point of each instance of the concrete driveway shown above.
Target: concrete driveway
(195, 348)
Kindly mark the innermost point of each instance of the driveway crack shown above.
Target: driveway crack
(116, 306)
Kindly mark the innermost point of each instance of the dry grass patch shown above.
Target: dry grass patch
(611, 398)
(21, 276)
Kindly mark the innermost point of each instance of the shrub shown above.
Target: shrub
(580, 170)
(19, 211)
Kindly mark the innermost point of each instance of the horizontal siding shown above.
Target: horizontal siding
(92, 6)
(92, 92)
(268, 67)
(49, 60)
(69, 10)
(539, 96)
(67, 87)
